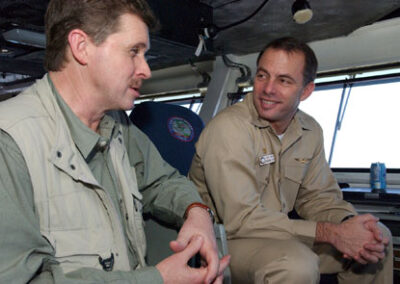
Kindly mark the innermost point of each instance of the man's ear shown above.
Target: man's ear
(78, 42)
(307, 91)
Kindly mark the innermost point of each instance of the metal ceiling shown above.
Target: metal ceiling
(170, 47)
(330, 19)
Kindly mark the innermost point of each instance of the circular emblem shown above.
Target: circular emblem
(180, 128)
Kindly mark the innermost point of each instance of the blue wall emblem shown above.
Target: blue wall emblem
(180, 129)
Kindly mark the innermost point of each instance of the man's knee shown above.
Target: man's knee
(301, 265)
(290, 272)
(385, 231)
(387, 234)
(296, 263)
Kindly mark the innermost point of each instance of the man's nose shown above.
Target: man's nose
(143, 69)
(269, 86)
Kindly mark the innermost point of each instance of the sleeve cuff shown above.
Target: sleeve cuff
(305, 231)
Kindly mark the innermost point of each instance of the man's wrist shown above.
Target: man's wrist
(325, 232)
(200, 205)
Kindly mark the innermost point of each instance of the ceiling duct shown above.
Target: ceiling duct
(25, 37)
(178, 36)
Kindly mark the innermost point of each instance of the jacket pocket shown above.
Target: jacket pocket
(74, 209)
(75, 249)
(291, 183)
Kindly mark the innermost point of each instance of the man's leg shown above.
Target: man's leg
(272, 261)
(331, 261)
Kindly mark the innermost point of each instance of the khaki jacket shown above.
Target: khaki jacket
(76, 215)
(252, 179)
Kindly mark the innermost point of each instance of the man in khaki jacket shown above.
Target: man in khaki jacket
(258, 160)
(76, 175)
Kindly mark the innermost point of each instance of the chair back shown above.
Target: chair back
(173, 129)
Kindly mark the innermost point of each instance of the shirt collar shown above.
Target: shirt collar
(85, 139)
(298, 122)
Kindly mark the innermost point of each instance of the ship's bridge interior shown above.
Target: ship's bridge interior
(203, 57)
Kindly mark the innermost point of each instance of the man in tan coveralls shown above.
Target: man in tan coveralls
(261, 158)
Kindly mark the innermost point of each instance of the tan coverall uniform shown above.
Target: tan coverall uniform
(252, 180)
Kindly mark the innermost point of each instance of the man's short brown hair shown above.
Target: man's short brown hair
(290, 44)
(97, 18)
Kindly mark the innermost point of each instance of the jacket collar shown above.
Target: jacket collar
(64, 153)
(297, 124)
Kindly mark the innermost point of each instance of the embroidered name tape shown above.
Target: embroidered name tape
(267, 159)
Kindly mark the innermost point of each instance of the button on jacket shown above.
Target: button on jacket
(252, 179)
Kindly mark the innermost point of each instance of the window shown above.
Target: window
(191, 99)
(323, 106)
(368, 121)
(369, 113)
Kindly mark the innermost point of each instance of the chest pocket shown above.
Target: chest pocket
(294, 173)
(76, 225)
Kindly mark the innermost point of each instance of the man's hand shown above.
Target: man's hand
(374, 228)
(375, 250)
(174, 269)
(358, 238)
(198, 222)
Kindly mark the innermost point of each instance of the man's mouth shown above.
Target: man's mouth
(266, 102)
(135, 91)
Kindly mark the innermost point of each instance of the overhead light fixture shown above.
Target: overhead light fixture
(4, 51)
(301, 11)
(25, 37)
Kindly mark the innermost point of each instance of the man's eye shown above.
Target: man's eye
(134, 51)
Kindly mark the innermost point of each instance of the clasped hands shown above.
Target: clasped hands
(196, 236)
(361, 239)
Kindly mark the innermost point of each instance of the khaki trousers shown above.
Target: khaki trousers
(273, 261)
